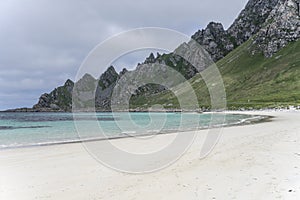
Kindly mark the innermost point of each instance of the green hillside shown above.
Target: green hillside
(251, 80)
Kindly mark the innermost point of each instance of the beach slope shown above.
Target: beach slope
(258, 161)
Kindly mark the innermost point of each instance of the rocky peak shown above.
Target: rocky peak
(87, 82)
(124, 71)
(110, 70)
(251, 19)
(69, 85)
(87, 77)
(214, 26)
(106, 84)
(215, 40)
(108, 77)
(219, 42)
(281, 27)
(150, 59)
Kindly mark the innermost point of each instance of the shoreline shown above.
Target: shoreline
(257, 161)
(254, 119)
(171, 110)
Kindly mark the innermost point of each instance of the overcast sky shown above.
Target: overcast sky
(43, 42)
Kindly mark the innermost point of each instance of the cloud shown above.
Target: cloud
(43, 42)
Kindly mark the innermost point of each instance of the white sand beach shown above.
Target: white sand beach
(258, 161)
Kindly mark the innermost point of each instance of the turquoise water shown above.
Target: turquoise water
(28, 129)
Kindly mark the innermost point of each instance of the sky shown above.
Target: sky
(44, 42)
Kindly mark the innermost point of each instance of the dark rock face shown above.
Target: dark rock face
(69, 85)
(219, 42)
(150, 59)
(105, 88)
(90, 92)
(44, 101)
(109, 77)
(251, 19)
(215, 40)
(124, 70)
(60, 99)
(281, 27)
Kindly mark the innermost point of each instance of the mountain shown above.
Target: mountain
(258, 57)
(251, 81)
(219, 42)
(87, 89)
(251, 20)
(59, 99)
(262, 72)
(281, 27)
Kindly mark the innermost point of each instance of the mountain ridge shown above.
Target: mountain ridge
(266, 25)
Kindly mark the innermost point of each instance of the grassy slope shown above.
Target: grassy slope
(251, 81)
(256, 81)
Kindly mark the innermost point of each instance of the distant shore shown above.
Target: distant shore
(93, 110)
(199, 110)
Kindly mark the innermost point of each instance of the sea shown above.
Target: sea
(26, 129)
